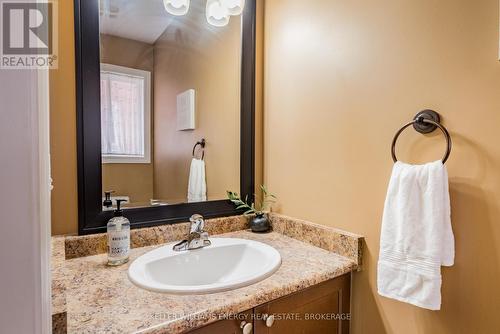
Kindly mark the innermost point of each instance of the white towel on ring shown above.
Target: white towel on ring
(416, 237)
(197, 187)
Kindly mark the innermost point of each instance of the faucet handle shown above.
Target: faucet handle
(197, 223)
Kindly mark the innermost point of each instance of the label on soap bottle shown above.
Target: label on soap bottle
(118, 243)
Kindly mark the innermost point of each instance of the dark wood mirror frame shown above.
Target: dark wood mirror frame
(91, 218)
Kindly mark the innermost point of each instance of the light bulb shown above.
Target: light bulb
(217, 14)
(176, 7)
(235, 7)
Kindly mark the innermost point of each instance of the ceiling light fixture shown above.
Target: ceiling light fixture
(235, 7)
(176, 7)
(217, 14)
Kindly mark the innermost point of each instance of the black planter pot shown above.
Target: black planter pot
(260, 223)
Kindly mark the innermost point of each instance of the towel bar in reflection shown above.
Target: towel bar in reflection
(202, 143)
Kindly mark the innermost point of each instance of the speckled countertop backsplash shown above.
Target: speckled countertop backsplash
(93, 244)
(331, 239)
(96, 298)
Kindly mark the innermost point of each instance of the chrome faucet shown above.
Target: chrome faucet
(197, 238)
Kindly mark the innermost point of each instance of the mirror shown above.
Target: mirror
(170, 86)
(165, 108)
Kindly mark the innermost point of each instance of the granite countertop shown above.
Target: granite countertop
(101, 299)
(96, 298)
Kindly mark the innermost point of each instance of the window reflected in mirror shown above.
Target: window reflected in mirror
(167, 82)
(125, 114)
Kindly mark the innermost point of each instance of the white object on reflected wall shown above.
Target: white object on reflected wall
(176, 7)
(217, 13)
(186, 110)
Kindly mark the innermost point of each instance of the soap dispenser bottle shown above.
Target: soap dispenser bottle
(107, 203)
(118, 237)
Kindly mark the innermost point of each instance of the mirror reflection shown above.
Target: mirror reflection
(170, 103)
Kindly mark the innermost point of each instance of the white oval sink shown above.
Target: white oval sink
(224, 265)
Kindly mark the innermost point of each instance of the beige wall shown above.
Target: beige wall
(206, 60)
(340, 78)
(63, 128)
(133, 180)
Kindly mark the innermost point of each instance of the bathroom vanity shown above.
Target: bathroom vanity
(308, 293)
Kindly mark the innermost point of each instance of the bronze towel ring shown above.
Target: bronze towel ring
(202, 143)
(425, 121)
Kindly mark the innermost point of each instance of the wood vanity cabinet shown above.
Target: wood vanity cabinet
(320, 309)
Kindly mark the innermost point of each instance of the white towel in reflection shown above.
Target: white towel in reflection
(416, 237)
(197, 187)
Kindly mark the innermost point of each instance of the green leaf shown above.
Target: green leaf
(263, 203)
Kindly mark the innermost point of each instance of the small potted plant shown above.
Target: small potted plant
(260, 220)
